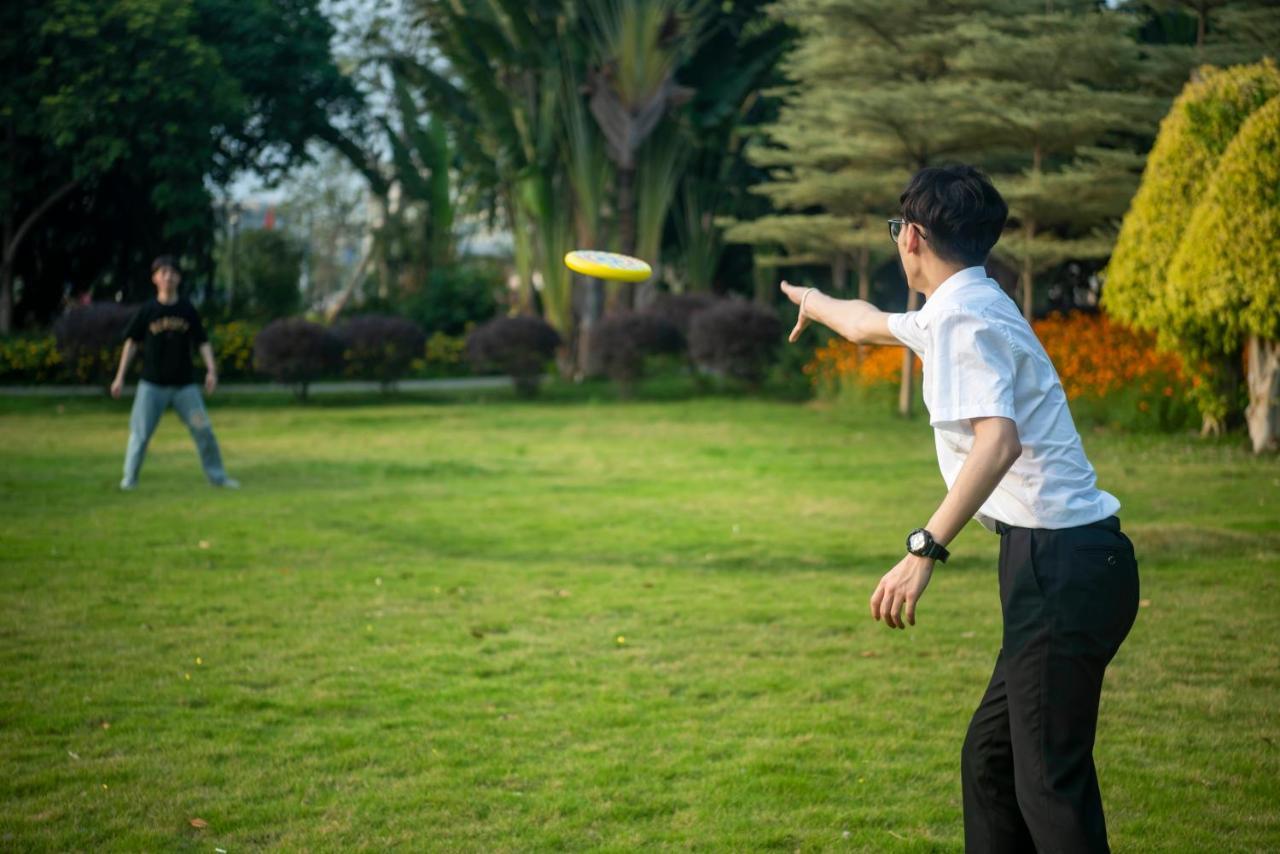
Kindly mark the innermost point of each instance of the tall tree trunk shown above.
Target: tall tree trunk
(1263, 413)
(9, 251)
(839, 274)
(624, 293)
(864, 274)
(906, 390)
(1028, 273)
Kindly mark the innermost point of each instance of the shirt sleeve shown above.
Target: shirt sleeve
(198, 334)
(975, 365)
(905, 328)
(137, 328)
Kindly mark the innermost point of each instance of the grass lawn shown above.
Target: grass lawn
(501, 626)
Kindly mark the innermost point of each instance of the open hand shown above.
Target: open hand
(796, 295)
(117, 387)
(210, 382)
(901, 586)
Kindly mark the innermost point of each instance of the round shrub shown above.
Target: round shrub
(626, 340)
(296, 352)
(89, 340)
(379, 347)
(680, 309)
(233, 347)
(736, 339)
(519, 347)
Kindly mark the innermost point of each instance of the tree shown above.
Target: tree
(271, 264)
(868, 79)
(1226, 272)
(1204, 120)
(130, 107)
(1060, 87)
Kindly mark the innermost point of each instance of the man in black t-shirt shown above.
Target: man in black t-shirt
(168, 329)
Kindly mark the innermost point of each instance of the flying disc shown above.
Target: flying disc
(607, 265)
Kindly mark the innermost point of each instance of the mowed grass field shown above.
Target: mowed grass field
(504, 626)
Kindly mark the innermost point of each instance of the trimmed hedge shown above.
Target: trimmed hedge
(380, 347)
(296, 352)
(90, 338)
(736, 339)
(627, 340)
(519, 347)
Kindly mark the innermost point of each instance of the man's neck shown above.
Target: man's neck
(935, 276)
(166, 299)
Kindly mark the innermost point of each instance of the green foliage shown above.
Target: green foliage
(1202, 123)
(134, 109)
(30, 359)
(1140, 289)
(233, 348)
(1226, 272)
(270, 268)
(455, 297)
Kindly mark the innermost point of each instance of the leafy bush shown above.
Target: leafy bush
(735, 338)
(455, 297)
(233, 348)
(379, 347)
(296, 352)
(517, 346)
(271, 264)
(443, 356)
(30, 360)
(89, 340)
(627, 340)
(679, 309)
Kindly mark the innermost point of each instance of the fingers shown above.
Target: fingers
(876, 598)
(911, 610)
(801, 323)
(899, 599)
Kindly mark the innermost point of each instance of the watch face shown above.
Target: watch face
(916, 541)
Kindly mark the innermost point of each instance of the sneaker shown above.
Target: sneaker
(228, 483)
(126, 484)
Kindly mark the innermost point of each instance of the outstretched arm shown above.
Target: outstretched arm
(857, 320)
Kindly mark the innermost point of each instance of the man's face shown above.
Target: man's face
(166, 278)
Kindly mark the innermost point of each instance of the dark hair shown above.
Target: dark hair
(163, 261)
(961, 213)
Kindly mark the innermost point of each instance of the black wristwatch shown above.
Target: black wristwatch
(920, 543)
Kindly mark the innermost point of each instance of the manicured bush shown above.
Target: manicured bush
(735, 338)
(379, 347)
(296, 352)
(627, 340)
(30, 360)
(233, 348)
(519, 347)
(443, 356)
(679, 309)
(90, 338)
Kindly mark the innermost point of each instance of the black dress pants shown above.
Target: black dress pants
(1069, 598)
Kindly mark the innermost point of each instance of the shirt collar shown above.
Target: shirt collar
(947, 292)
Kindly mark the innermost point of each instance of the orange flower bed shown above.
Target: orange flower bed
(1093, 355)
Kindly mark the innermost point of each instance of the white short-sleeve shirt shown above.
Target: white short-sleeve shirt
(982, 359)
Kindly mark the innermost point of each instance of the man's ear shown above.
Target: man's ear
(913, 239)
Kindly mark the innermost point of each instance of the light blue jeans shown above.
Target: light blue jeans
(149, 404)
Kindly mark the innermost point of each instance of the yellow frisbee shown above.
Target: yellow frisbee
(607, 265)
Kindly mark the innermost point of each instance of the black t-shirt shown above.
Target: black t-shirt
(169, 335)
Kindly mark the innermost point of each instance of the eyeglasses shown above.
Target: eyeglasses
(896, 226)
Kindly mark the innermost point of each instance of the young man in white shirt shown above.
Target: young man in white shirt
(1011, 458)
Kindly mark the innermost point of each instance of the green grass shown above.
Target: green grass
(403, 632)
